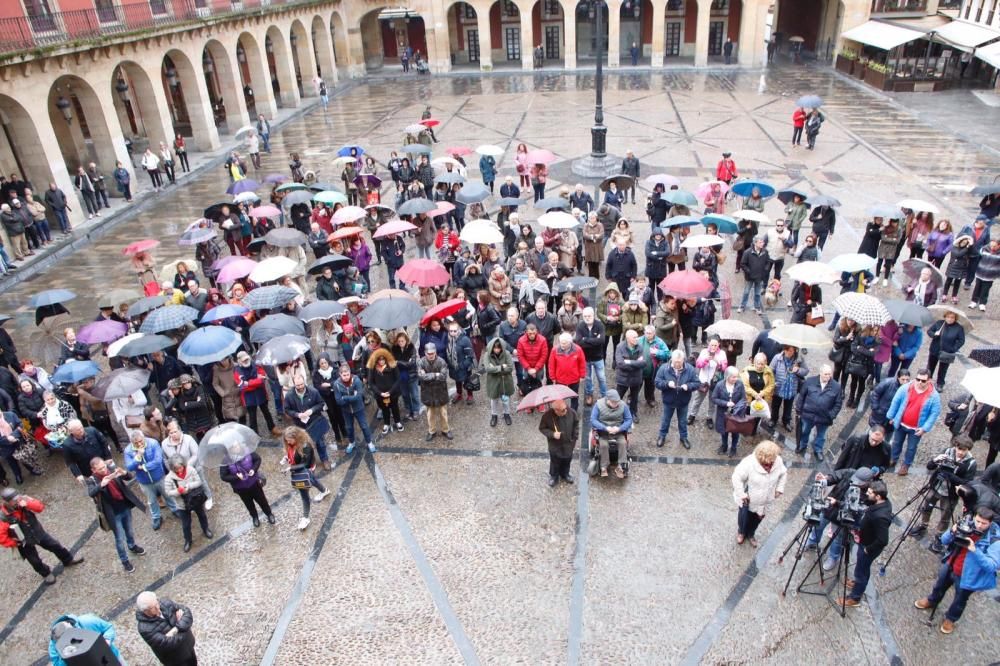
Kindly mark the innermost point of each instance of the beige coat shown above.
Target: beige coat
(224, 383)
(750, 479)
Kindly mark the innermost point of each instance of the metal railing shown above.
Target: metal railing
(898, 6)
(24, 33)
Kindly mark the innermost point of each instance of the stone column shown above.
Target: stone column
(614, 36)
(659, 46)
(485, 39)
(751, 40)
(285, 70)
(356, 51)
(48, 150)
(701, 34)
(569, 35)
(527, 39)
(307, 63)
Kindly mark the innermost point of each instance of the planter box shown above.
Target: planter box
(878, 80)
(859, 70)
(845, 65)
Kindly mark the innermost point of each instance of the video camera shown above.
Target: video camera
(815, 504)
(851, 507)
(965, 529)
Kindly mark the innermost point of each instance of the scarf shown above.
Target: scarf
(112, 488)
(325, 374)
(6, 430)
(920, 291)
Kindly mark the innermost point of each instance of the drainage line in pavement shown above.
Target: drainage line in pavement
(433, 583)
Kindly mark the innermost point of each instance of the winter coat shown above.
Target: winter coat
(887, 337)
(593, 242)
(979, 572)
(888, 241)
(511, 334)
(634, 320)
(473, 281)
(533, 355)
(858, 453)
(196, 412)
(224, 383)
(656, 259)
(253, 393)
(613, 328)
(801, 293)
(654, 353)
(823, 219)
(677, 397)
(767, 391)
(172, 483)
(882, 396)
(433, 376)
(817, 405)
(861, 358)
(78, 454)
(591, 339)
(786, 382)
(460, 357)
(631, 364)
(666, 327)
(961, 257)
(930, 293)
(171, 650)
(499, 371)
(567, 366)
(568, 426)
(988, 269)
(751, 479)
(939, 243)
(386, 381)
(949, 342)
(870, 242)
(488, 168)
(928, 414)
(756, 266)
(95, 491)
(620, 265)
(148, 468)
(721, 398)
(350, 398)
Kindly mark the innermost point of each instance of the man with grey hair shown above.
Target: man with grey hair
(677, 382)
(166, 627)
(817, 405)
(611, 420)
(81, 445)
(581, 199)
(567, 365)
(590, 336)
(630, 362)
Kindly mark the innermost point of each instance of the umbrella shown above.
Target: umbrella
(116, 297)
(275, 178)
(120, 383)
(51, 297)
(45, 311)
(983, 384)
(686, 284)
(442, 208)
(705, 189)
(345, 151)
(680, 221)
(885, 211)
(490, 149)
(147, 344)
(510, 202)
(271, 270)
(940, 310)
(247, 197)
(912, 268)
(74, 372)
(430, 122)
(984, 190)
(575, 283)
(144, 305)
(268, 298)
(240, 186)
(744, 188)
(334, 262)
(414, 129)
(852, 263)
(443, 310)
(908, 312)
(215, 210)
(274, 325)
(823, 200)
(290, 187)
(450, 177)
(865, 309)
(664, 179)
(224, 311)
(255, 247)
(330, 197)
(621, 181)
(988, 356)
(416, 149)
(681, 198)
(225, 444)
(348, 214)
(724, 223)
(424, 273)
(368, 181)
(473, 192)
(345, 232)
(321, 310)
(702, 240)
(105, 330)
(558, 220)
(285, 237)
(236, 270)
(246, 129)
(545, 395)
(115, 348)
(540, 156)
(552, 202)
(168, 318)
(282, 349)
(481, 231)
(809, 102)
(797, 39)
(140, 246)
(299, 197)
(918, 206)
(800, 336)
(196, 235)
(459, 150)
(813, 272)
(784, 196)
(382, 208)
(732, 329)
(752, 216)
(389, 313)
(383, 293)
(416, 207)
(394, 227)
(266, 211)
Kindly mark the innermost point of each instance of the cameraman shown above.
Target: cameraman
(841, 481)
(970, 567)
(869, 450)
(983, 492)
(871, 536)
(949, 470)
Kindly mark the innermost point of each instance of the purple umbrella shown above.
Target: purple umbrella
(106, 330)
(219, 263)
(240, 186)
(275, 178)
(368, 181)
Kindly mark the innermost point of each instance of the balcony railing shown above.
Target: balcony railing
(898, 6)
(25, 33)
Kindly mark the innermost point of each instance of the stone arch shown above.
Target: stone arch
(188, 101)
(550, 29)
(223, 86)
(279, 60)
(254, 76)
(465, 45)
(344, 56)
(635, 26)
(86, 136)
(135, 102)
(322, 44)
(303, 59)
(508, 36)
(386, 31)
(23, 152)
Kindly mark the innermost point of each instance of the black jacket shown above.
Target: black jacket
(874, 528)
(823, 218)
(858, 453)
(102, 496)
(756, 266)
(172, 650)
(78, 454)
(591, 340)
(195, 409)
(620, 264)
(965, 473)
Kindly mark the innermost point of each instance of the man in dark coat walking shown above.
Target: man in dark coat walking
(21, 529)
(561, 428)
(166, 628)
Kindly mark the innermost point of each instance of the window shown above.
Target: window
(40, 15)
(472, 41)
(673, 43)
(513, 43)
(675, 5)
(552, 42)
(105, 11)
(510, 9)
(715, 37)
(720, 5)
(158, 7)
(469, 11)
(552, 9)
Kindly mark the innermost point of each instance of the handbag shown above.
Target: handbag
(102, 520)
(741, 425)
(743, 516)
(814, 316)
(739, 243)
(300, 477)
(472, 383)
(946, 357)
(194, 498)
(679, 258)
(261, 479)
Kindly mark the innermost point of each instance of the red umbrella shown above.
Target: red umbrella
(345, 232)
(140, 246)
(545, 395)
(424, 273)
(540, 156)
(394, 227)
(442, 310)
(686, 284)
(459, 150)
(430, 122)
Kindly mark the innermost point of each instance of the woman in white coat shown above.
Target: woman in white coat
(758, 480)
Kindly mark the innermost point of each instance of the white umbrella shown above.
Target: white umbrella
(481, 231)
(115, 347)
(702, 240)
(918, 206)
(342, 162)
(443, 161)
(983, 384)
(852, 263)
(246, 129)
(732, 329)
(558, 220)
(272, 269)
(490, 149)
(801, 336)
(813, 272)
(751, 215)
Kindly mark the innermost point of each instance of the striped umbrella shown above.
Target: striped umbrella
(865, 309)
(168, 318)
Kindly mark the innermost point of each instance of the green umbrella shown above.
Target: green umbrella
(330, 198)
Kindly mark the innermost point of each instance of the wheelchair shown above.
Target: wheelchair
(594, 466)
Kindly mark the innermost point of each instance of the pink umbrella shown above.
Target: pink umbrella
(394, 227)
(348, 214)
(424, 273)
(235, 270)
(540, 156)
(705, 188)
(140, 246)
(106, 330)
(225, 261)
(443, 208)
(459, 150)
(264, 211)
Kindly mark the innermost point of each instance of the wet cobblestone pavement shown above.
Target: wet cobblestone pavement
(458, 552)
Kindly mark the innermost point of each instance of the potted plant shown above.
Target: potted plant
(846, 61)
(877, 75)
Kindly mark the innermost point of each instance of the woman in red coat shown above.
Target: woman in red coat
(798, 122)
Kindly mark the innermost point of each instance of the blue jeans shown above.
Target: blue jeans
(154, 490)
(836, 549)
(44, 233)
(912, 439)
(820, 440)
(279, 404)
(304, 493)
(682, 420)
(758, 288)
(391, 270)
(602, 382)
(411, 396)
(424, 252)
(349, 417)
(862, 573)
(7, 263)
(63, 220)
(730, 440)
(266, 139)
(944, 581)
(123, 533)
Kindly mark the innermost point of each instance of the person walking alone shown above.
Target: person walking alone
(21, 529)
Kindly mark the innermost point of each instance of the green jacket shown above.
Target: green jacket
(499, 371)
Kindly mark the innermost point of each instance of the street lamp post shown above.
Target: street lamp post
(598, 164)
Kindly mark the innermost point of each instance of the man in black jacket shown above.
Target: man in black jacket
(591, 339)
(869, 450)
(944, 489)
(872, 537)
(824, 218)
(581, 199)
(630, 167)
(756, 267)
(621, 266)
(166, 628)
(82, 444)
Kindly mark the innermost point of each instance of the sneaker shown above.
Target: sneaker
(982, 307)
(947, 626)
(385, 430)
(321, 496)
(350, 449)
(208, 504)
(138, 550)
(399, 427)
(922, 604)
(303, 523)
(507, 419)
(371, 447)
(449, 436)
(885, 282)
(429, 437)
(829, 564)
(972, 305)
(129, 567)
(50, 579)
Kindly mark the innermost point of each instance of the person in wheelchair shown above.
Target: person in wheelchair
(611, 421)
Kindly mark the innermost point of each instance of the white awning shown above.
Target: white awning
(881, 35)
(990, 55)
(966, 34)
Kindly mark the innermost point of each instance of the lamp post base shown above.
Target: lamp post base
(596, 167)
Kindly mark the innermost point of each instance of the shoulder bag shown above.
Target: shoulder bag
(741, 425)
(814, 317)
(300, 477)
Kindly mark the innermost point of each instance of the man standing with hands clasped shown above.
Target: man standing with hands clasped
(677, 381)
(166, 627)
(561, 428)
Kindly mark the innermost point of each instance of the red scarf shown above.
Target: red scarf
(112, 487)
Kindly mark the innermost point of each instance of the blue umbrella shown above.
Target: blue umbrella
(346, 150)
(240, 186)
(885, 211)
(784, 196)
(224, 311)
(680, 221)
(809, 101)
(724, 223)
(168, 318)
(744, 188)
(984, 190)
(680, 198)
(208, 345)
(472, 192)
(51, 297)
(74, 372)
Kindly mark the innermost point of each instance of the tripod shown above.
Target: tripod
(923, 496)
(801, 543)
(843, 569)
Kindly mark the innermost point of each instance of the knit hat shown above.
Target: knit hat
(612, 395)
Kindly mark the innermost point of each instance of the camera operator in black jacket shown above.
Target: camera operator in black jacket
(868, 450)
(950, 469)
(872, 536)
(839, 481)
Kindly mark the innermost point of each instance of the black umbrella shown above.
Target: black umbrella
(575, 283)
(908, 312)
(147, 344)
(784, 196)
(388, 313)
(988, 356)
(416, 207)
(285, 237)
(621, 181)
(334, 262)
(144, 305)
(214, 211)
(268, 298)
(274, 325)
(552, 202)
(44, 312)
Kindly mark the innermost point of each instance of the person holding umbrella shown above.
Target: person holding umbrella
(961, 258)
(247, 481)
(922, 290)
(560, 427)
